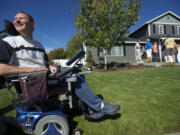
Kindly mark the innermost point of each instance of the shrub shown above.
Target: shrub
(169, 65)
(115, 68)
(100, 66)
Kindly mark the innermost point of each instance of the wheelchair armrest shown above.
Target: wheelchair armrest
(59, 75)
(11, 77)
(33, 74)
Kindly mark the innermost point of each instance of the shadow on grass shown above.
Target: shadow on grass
(6, 109)
(114, 117)
(75, 112)
(71, 114)
(9, 123)
(11, 126)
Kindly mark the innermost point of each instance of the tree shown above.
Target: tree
(56, 54)
(89, 58)
(105, 23)
(73, 45)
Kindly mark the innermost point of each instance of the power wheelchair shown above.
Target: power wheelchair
(49, 116)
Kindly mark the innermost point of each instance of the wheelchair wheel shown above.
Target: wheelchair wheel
(77, 131)
(52, 125)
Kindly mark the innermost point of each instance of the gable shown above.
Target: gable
(168, 18)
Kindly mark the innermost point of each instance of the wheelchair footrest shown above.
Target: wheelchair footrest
(94, 116)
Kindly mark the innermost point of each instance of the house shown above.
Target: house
(156, 29)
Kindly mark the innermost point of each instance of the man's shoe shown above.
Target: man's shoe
(110, 109)
(107, 110)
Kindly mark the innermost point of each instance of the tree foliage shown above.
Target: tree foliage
(73, 45)
(105, 23)
(90, 59)
(56, 54)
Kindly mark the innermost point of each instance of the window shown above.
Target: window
(114, 51)
(154, 31)
(161, 29)
(173, 29)
(178, 30)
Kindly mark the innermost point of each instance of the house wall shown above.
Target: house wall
(129, 55)
(168, 30)
(167, 19)
(169, 22)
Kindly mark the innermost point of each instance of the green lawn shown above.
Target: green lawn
(150, 101)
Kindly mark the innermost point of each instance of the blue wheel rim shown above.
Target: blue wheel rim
(52, 129)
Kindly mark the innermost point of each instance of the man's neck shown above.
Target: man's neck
(27, 36)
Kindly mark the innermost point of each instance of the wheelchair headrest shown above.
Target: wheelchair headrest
(9, 28)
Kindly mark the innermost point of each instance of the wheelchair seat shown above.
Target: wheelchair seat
(57, 92)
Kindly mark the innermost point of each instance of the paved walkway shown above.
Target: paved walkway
(155, 64)
(173, 133)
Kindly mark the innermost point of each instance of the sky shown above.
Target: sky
(54, 19)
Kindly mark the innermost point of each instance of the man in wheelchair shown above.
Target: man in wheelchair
(21, 53)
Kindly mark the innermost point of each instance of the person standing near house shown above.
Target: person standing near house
(176, 52)
(138, 51)
(163, 50)
(148, 47)
(169, 43)
(155, 51)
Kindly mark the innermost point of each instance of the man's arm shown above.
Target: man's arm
(6, 69)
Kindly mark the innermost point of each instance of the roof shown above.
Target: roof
(133, 40)
(169, 12)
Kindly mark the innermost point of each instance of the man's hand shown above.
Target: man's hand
(53, 69)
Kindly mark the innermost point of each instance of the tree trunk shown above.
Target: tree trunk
(105, 59)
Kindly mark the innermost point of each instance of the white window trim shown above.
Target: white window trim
(165, 23)
(118, 55)
(161, 26)
(115, 55)
(178, 30)
(149, 30)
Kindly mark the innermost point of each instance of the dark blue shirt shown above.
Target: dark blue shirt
(163, 47)
(5, 55)
(5, 52)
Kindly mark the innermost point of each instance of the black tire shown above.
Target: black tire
(59, 123)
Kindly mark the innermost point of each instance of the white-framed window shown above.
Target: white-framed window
(113, 51)
(161, 29)
(178, 30)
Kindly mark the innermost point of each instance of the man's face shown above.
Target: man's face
(23, 24)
